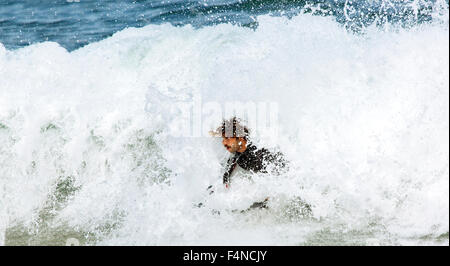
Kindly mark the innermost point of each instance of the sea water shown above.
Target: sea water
(86, 154)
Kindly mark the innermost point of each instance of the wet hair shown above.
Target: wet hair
(233, 128)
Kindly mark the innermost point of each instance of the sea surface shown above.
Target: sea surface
(89, 92)
(75, 23)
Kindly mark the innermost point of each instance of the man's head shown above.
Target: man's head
(234, 135)
(235, 144)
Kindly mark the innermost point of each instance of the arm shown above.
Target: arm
(231, 164)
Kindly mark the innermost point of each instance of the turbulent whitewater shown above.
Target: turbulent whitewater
(85, 153)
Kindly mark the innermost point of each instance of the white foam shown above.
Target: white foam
(365, 119)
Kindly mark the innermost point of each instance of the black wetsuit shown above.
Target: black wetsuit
(255, 160)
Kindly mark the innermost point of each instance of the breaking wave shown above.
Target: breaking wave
(363, 119)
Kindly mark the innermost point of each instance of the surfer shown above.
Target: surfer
(235, 138)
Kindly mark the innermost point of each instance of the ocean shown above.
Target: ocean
(92, 94)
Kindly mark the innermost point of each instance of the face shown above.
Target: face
(234, 144)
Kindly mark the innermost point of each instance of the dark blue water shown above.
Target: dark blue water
(75, 23)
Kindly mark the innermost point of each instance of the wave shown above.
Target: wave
(74, 24)
(363, 119)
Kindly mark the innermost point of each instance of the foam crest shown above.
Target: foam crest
(85, 149)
